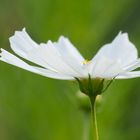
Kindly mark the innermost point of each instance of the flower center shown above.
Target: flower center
(84, 62)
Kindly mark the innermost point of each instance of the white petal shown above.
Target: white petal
(120, 52)
(67, 47)
(51, 74)
(105, 68)
(129, 75)
(49, 55)
(12, 59)
(43, 55)
(133, 65)
(21, 43)
(121, 49)
(70, 54)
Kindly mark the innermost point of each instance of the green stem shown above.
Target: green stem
(94, 118)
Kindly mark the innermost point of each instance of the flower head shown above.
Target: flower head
(61, 60)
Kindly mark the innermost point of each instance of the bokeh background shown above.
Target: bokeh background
(33, 107)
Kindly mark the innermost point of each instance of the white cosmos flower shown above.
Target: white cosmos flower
(61, 60)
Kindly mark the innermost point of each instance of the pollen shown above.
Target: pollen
(85, 62)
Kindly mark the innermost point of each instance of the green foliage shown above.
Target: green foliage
(38, 108)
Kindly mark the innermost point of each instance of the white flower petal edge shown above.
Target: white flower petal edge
(13, 60)
(129, 75)
(21, 43)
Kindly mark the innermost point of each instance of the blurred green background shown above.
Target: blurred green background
(38, 108)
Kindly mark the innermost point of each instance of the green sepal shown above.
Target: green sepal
(91, 87)
(81, 87)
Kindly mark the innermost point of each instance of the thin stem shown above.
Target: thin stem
(94, 118)
(86, 126)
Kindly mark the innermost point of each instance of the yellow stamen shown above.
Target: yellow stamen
(85, 62)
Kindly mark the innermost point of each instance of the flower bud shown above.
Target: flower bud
(83, 101)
